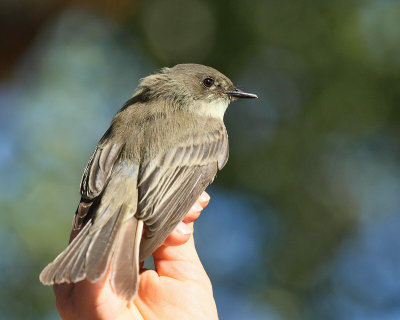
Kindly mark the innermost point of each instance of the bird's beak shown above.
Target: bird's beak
(240, 94)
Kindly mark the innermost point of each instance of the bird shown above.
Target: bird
(162, 149)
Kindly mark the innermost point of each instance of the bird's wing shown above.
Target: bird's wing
(106, 224)
(95, 178)
(170, 184)
(99, 168)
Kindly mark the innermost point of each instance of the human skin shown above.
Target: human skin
(178, 288)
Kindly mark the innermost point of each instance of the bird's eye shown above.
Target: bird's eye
(208, 82)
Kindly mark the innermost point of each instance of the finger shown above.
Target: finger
(180, 262)
(180, 235)
(204, 199)
(182, 232)
(198, 206)
(193, 213)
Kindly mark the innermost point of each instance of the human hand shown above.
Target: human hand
(178, 288)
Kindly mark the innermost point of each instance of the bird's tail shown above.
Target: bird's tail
(89, 254)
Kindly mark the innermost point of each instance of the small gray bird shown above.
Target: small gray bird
(163, 148)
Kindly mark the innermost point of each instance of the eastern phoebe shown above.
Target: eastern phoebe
(162, 150)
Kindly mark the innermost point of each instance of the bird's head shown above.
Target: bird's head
(193, 87)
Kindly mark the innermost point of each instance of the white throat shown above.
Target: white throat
(215, 109)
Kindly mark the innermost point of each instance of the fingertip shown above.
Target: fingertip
(205, 196)
(204, 199)
(193, 214)
(197, 206)
(180, 235)
(184, 229)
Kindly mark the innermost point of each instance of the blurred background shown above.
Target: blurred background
(304, 220)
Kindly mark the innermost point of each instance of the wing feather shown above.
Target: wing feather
(98, 169)
(169, 185)
(95, 177)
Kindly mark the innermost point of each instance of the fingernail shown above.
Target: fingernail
(204, 197)
(183, 228)
(197, 207)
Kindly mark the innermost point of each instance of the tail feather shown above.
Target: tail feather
(87, 256)
(125, 265)
(77, 270)
(111, 232)
(54, 271)
(102, 246)
(75, 259)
